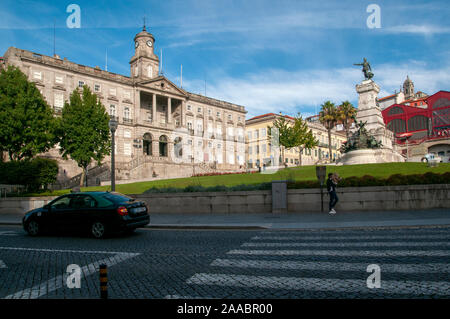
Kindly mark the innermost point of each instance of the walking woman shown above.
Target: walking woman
(332, 181)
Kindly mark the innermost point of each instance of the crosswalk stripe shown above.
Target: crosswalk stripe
(330, 266)
(8, 233)
(332, 244)
(59, 282)
(396, 237)
(321, 284)
(361, 253)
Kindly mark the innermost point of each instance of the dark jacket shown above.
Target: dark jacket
(331, 185)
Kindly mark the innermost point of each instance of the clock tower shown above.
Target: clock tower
(144, 64)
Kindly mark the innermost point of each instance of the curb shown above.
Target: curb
(256, 227)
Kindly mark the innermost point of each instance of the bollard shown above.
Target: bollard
(103, 281)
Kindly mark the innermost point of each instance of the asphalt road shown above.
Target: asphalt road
(413, 263)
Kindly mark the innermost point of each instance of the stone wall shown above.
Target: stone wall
(298, 200)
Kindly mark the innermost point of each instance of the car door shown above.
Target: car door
(83, 208)
(59, 213)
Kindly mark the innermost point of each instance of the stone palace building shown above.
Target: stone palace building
(163, 132)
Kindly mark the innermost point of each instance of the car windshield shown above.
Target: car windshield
(117, 197)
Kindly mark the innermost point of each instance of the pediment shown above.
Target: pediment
(161, 83)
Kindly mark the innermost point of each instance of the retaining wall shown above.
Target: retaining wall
(297, 200)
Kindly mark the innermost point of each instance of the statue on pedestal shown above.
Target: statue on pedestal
(366, 69)
(361, 139)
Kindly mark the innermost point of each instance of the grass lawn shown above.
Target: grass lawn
(296, 173)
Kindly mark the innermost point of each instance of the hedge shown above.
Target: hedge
(34, 174)
(393, 180)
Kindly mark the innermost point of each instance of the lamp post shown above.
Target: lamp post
(113, 127)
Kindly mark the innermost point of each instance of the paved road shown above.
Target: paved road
(230, 264)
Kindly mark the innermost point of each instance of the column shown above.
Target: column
(137, 106)
(169, 110)
(183, 117)
(154, 109)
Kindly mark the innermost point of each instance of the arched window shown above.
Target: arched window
(163, 146)
(397, 126)
(178, 147)
(147, 144)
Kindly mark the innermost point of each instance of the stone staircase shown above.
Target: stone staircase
(95, 176)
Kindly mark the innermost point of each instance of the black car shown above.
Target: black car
(99, 213)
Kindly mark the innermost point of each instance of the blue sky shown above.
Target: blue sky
(268, 56)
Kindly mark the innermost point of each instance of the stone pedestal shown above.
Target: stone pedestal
(369, 112)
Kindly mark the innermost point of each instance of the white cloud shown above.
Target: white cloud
(418, 29)
(272, 91)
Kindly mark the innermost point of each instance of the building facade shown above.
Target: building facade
(164, 131)
(421, 129)
(406, 95)
(262, 152)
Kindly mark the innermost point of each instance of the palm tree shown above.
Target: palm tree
(346, 113)
(329, 116)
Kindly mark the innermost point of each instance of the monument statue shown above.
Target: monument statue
(361, 139)
(371, 141)
(366, 69)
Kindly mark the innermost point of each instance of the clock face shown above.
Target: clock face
(136, 44)
(149, 43)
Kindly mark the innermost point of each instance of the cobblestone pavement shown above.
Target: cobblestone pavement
(230, 264)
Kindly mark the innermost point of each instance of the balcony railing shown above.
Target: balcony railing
(127, 121)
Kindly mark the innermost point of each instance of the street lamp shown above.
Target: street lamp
(113, 127)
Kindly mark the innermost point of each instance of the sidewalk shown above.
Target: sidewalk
(287, 221)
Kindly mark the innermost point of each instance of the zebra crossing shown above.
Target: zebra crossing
(330, 264)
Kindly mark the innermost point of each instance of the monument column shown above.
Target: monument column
(369, 112)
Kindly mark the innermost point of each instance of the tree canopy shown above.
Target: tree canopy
(329, 116)
(84, 130)
(27, 125)
(291, 135)
(346, 113)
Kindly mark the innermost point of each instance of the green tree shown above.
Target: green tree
(27, 125)
(283, 134)
(329, 116)
(303, 137)
(346, 113)
(84, 130)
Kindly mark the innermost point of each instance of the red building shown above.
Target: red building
(426, 119)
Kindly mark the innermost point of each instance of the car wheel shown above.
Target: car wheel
(424, 160)
(33, 228)
(98, 230)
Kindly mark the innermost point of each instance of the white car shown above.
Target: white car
(431, 157)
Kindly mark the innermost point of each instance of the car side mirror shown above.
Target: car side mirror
(46, 206)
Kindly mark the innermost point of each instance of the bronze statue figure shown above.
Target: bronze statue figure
(366, 69)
